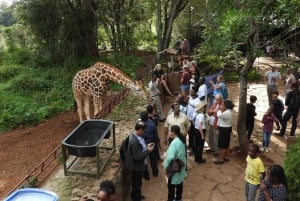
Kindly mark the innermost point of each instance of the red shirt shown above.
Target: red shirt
(185, 78)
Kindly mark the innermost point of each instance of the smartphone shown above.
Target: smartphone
(152, 144)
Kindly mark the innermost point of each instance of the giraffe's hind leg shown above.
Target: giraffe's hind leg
(87, 107)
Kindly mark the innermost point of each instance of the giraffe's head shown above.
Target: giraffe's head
(139, 88)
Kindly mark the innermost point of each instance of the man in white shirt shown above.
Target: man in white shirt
(193, 101)
(289, 80)
(272, 78)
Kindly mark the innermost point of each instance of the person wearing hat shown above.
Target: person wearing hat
(199, 124)
(272, 78)
(289, 80)
(136, 158)
(225, 128)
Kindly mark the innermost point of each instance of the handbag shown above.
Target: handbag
(174, 166)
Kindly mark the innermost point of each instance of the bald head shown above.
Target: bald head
(218, 96)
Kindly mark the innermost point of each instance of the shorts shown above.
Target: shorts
(185, 87)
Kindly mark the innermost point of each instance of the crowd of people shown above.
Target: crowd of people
(202, 112)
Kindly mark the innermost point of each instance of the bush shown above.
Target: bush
(8, 72)
(292, 170)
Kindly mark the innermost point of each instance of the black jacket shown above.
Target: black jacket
(135, 156)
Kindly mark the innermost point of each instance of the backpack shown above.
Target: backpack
(123, 149)
(224, 92)
(295, 101)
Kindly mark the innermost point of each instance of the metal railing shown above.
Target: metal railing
(40, 173)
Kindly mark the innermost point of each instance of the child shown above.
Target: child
(250, 116)
(278, 108)
(268, 121)
(254, 170)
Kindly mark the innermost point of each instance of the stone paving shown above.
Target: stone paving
(205, 182)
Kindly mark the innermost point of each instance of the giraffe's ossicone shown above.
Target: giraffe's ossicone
(93, 82)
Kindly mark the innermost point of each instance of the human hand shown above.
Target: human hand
(263, 186)
(150, 146)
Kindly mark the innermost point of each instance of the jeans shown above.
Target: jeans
(250, 191)
(266, 139)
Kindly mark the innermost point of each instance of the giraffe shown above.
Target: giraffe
(93, 82)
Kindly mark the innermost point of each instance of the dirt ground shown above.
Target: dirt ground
(24, 148)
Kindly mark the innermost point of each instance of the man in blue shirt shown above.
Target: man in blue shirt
(210, 89)
(151, 136)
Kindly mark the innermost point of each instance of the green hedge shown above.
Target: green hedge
(292, 170)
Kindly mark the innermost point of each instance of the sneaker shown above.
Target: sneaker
(267, 150)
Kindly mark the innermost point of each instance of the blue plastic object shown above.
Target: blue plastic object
(32, 194)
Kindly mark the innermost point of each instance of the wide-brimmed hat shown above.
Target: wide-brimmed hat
(199, 106)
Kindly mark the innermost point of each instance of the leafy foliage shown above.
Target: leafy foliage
(292, 170)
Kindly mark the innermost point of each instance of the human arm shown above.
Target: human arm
(266, 77)
(137, 151)
(170, 155)
(212, 110)
(157, 139)
(201, 122)
(166, 130)
(280, 194)
(224, 114)
(265, 119)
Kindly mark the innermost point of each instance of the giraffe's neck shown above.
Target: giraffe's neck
(116, 75)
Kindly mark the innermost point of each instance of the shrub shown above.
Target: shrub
(292, 170)
(8, 72)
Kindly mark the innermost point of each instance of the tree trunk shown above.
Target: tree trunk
(241, 120)
(253, 41)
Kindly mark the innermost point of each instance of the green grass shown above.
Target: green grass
(234, 76)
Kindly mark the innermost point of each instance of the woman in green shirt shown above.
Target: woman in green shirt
(176, 150)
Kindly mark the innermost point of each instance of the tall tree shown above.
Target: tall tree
(167, 12)
(229, 23)
(63, 29)
(122, 20)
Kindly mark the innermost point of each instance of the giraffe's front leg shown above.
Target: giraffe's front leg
(98, 105)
